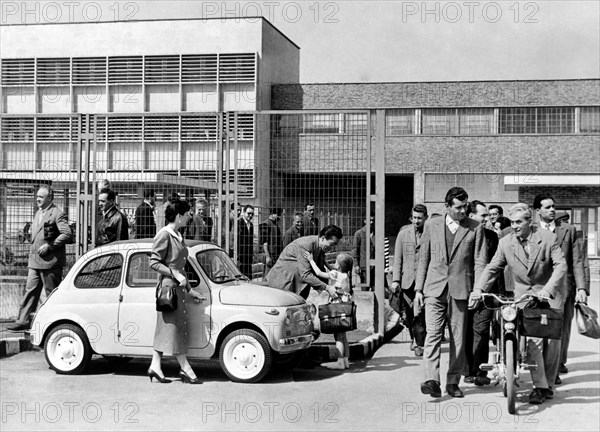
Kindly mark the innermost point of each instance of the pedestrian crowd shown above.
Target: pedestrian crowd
(442, 265)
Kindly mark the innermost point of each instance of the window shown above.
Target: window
(102, 272)
(399, 122)
(217, 265)
(355, 124)
(590, 120)
(559, 120)
(439, 122)
(476, 121)
(139, 273)
(320, 123)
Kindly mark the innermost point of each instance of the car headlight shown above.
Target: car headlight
(509, 313)
(288, 318)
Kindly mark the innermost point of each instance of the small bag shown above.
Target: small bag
(166, 294)
(337, 317)
(542, 322)
(587, 321)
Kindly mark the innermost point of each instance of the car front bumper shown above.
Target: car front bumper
(295, 343)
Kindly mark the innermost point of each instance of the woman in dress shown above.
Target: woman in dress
(169, 255)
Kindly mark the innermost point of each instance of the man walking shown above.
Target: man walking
(202, 223)
(452, 257)
(406, 261)
(145, 223)
(270, 239)
(113, 225)
(310, 222)
(50, 232)
(295, 231)
(574, 281)
(538, 266)
(245, 244)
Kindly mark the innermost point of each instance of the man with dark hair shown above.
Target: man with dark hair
(293, 272)
(478, 323)
(538, 267)
(406, 262)
(202, 224)
(494, 211)
(50, 232)
(270, 239)
(295, 231)
(574, 282)
(452, 257)
(245, 241)
(310, 222)
(113, 225)
(145, 224)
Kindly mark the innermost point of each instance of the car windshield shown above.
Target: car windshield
(218, 266)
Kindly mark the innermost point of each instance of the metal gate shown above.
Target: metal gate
(269, 160)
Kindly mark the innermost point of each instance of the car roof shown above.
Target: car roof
(145, 243)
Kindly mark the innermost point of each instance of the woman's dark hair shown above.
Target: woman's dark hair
(178, 207)
(331, 231)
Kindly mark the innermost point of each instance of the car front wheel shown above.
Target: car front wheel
(67, 349)
(245, 356)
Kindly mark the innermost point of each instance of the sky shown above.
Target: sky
(388, 41)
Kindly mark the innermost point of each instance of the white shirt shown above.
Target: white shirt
(549, 226)
(451, 224)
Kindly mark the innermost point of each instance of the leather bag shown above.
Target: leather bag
(337, 317)
(542, 322)
(587, 321)
(166, 294)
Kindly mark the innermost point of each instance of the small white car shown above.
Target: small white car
(106, 305)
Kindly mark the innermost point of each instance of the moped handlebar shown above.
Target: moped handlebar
(504, 300)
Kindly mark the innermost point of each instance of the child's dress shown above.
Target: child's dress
(340, 281)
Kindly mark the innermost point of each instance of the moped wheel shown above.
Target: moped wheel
(510, 375)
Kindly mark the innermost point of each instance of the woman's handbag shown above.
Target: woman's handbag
(337, 317)
(542, 322)
(587, 321)
(166, 294)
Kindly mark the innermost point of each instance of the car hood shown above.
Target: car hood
(257, 295)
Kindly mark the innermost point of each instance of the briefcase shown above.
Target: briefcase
(587, 321)
(542, 322)
(337, 317)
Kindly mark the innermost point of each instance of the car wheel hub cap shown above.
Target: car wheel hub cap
(65, 349)
(245, 356)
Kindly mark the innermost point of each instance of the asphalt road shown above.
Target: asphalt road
(377, 394)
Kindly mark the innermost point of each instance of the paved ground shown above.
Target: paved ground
(381, 393)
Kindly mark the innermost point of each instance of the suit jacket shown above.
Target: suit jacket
(291, 234)
(245, 241)
(292, 271)
(53, 229)
(270, 233)
(567, 241)
(201, 228)
(145, 226)
(360, 253)
(406, 257)
(544, 269)
(311, 226)
(461, 269)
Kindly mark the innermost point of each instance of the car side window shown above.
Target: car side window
(139, 273)
(101, 272)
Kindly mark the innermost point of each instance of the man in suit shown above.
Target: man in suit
(452, 257)
(479, 319)
(113, 225)
(406, 262)
(245, 241)
(50, 232)
(270, 239)
(538, 267)
(295, 231)
(145, 223)
(574, 281)
(310, 222)
(293, 272)
(202, 223)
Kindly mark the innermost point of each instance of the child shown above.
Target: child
(340, 279)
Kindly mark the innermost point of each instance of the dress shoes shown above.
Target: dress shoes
(16, 327)
(548, 393)
(431, 387)
(536, 397)
(482, 381)
(469, 379)
(563, 369)
(185, 378)
(151, 374)
(558, 380)
(418, 351)
(454, 391)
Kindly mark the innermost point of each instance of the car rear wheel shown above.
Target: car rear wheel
(245, 356)
(67, 349)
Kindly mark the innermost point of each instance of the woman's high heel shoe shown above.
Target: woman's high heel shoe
(185, 378)
(152, 374)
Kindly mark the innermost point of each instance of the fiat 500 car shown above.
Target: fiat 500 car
(106, 305)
